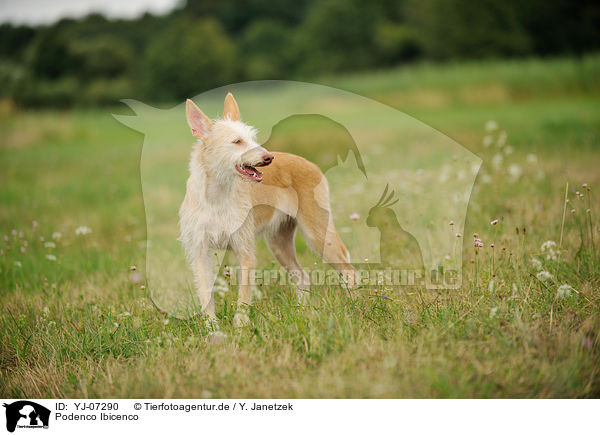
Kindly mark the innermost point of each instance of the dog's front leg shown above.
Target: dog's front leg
(247, 276)
(204, 282)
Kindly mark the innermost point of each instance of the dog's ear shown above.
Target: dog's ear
(232, 111)
(199, 123)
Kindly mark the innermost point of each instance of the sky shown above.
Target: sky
(49, 11)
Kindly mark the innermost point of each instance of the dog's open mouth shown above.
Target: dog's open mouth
(250, 173)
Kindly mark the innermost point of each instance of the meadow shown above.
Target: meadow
(77, 321)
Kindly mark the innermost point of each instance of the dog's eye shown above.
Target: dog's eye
(237, 141)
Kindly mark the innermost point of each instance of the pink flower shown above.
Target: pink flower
(494, 222)
(354, 217)
(136, 278)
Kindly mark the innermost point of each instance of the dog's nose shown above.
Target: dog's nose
(267, 159)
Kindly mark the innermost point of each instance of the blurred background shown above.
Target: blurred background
(95, 52)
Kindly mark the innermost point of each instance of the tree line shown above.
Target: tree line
(204, 44)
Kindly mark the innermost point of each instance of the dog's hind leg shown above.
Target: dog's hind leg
(316, 223)
(281, 244)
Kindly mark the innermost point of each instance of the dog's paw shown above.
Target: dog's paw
(216, 337)
(240, 319)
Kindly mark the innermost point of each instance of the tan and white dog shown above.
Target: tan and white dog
(229, 201)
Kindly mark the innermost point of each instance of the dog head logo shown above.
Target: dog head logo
(26, 414)
(426, 178)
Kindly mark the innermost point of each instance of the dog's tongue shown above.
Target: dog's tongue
(253, 173)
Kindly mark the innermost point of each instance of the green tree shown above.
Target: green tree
(235, 16)
(464, 29)
(265, 48)
(337, 35)
(187, 57)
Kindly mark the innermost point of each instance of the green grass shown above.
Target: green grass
(82, 326)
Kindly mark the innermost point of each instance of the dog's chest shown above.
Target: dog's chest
(221, 223)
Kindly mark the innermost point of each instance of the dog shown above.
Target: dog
(236, 191)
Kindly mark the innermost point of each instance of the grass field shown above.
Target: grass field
(76, 321)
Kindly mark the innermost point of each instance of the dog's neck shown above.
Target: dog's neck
(218, 188)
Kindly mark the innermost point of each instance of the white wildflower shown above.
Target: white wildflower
(532, 158)
(493, 312)
(491, 125)
(508, 150)
(56, 235)
(497, 160)
(487, 141)
(537, 264)
(549, 249)
(18, 263)
(514, 171)
(544, 275)
(49, 245)
(82, 230)
(50, 257)
(548, 245)
(565, 290)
